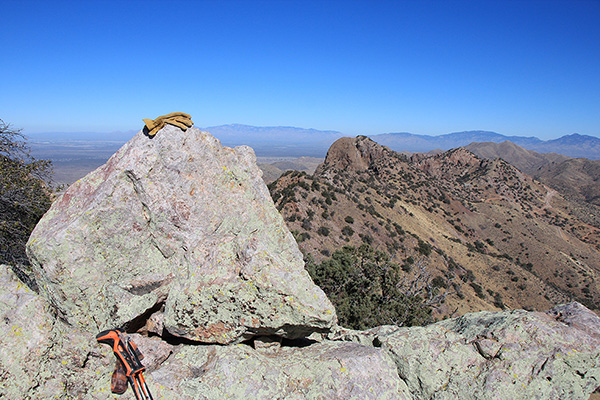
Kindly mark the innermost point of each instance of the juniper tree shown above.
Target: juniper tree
(368, 289)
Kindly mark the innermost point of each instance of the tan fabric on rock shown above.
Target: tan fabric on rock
(178, 119)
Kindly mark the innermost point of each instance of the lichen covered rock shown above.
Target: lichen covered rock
(180, 222)
(499, 355)
(329, 370)
(40, 356)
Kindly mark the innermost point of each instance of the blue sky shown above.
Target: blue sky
(529, 68)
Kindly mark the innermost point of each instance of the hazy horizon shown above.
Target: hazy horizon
(129, 133)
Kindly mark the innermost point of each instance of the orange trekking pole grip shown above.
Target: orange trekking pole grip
(128, 355)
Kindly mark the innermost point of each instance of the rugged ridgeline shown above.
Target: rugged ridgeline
(579, 178)
(176, 240)
(495, 236)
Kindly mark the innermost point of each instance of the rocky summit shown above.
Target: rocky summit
(176, 240)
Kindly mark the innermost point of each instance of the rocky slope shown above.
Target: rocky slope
(498, 237)
(177, 241)
(574, 178)
(578, 178)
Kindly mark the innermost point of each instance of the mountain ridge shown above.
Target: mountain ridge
(575, 178)
(501, 237)
(75, 154)
(528, 161)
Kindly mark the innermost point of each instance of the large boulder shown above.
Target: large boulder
(180, 225)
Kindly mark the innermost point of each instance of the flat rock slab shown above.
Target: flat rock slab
(180, 223)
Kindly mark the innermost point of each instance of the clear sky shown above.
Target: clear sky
(529, 68)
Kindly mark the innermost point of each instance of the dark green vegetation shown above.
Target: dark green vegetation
(368, 290)
(24, 198)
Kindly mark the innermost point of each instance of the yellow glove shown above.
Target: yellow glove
(178, 119)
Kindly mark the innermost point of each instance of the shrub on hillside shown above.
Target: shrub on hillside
(347, 230)
(323, 231)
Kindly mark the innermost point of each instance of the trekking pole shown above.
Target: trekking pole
(143, 387)
(134, 387)
(128, 355)
(137, 374)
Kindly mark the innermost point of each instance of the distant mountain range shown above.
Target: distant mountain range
(528, 161)
(574, 145)
(293, 141)
(288, 141)
(267, 141)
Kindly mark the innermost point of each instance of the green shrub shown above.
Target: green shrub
(424, 248)
(478, 290)
(498, 301)
(439, 282)
(367, 239)
(363, 283)
(300, 236)
(323, 231)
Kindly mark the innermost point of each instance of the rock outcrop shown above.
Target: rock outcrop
(328, 370)
(352, 154)
(41, 357)
(177, 237)
(500, 355)
(511, 354)
(177, 223)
